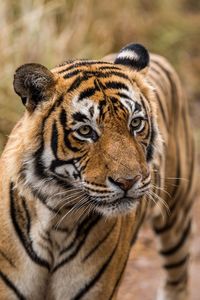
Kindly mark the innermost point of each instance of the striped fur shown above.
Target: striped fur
(100, 146)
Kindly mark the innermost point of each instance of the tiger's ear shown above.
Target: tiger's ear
(134, 56)
(33, 83)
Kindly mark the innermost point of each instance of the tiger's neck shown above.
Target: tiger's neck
(52, 235)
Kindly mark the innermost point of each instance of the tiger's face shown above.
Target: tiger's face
(96, 134)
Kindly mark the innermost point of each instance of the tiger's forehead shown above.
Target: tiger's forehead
(97, 99)
(93, 86)
(98, 92)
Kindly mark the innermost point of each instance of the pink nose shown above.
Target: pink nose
(125, 183)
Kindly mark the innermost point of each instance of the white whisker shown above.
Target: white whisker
(156, 203)
(161, 200)
(79, 204)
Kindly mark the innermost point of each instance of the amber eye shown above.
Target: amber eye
(85, 130)
(137, 124)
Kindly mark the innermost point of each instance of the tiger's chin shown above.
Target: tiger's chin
(118, 207)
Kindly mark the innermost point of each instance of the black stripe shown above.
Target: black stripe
(11, 285)
(61, 229)
(67, 142)
(75, 84)
(63, 121)
(43, 198)
(178, 281)
(138, 64)
(138, 107)
(80, 243)
(145, 144)
(83, 227)
(119, 279)
(24, 237)
(63, 118)
(46, 237)
(86, 75)
(115, 73)
(28, 219)
(87, 93)
(101, 241)
(70, 74)
(59, 163)
(120, 94)
(91, 111)
(116, 85)
(173, 218)
(101, 106)
(54, 139)
(117, 106)
(151, 132)
(180, 243)
(84, 63)
(109, 68)
(79, 117)
(96, 184)
(176, 264)
(98, 275)
(39, 167)
(7, 258)
(167, 227)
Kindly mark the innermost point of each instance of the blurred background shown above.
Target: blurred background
(49, 32)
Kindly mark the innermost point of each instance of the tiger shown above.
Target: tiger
(102, 146)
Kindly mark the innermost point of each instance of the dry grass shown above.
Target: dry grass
(50, 31)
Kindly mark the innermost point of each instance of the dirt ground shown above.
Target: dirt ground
(143, 273)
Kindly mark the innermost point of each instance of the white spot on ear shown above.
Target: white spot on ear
(128, 54)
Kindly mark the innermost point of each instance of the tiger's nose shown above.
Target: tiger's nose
(125, 183)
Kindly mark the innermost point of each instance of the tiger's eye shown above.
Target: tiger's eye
(135, 123)
(85, 130)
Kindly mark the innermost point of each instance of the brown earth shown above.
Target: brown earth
(143, 274)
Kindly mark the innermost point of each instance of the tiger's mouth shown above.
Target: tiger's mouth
(110, 202)
(122, 205)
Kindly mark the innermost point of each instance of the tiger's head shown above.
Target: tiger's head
(89, 131)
